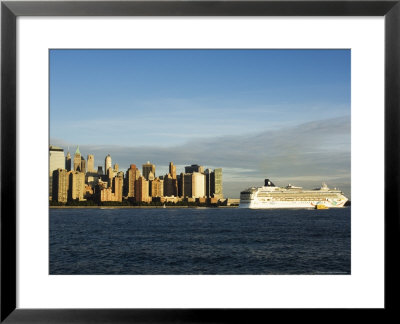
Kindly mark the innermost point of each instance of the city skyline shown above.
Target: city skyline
(278, 114)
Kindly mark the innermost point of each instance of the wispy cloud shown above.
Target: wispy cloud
(306, 154)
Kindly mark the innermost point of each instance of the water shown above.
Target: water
(199, 241)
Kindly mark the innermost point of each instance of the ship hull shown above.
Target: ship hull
(253, 204)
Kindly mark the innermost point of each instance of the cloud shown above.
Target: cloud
(308, 154)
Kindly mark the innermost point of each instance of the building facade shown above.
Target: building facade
(194, 168)
(76, 185)
(107, 162)
(60, 185)
(147, 169)
(90, 163)
(142, 190)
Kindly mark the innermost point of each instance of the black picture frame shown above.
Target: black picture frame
(10, 10)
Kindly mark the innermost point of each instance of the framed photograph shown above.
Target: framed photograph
(190, 161)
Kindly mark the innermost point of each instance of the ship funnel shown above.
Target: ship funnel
(268, 183)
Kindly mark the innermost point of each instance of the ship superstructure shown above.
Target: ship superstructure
(270, 196)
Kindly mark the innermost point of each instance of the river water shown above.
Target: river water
(199, 241)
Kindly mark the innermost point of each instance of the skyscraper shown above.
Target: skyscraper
(156, 188)
(132, 174)
(60, 185)
(107, 162)
(56, 159)
(68, 162)
(170, 186)
(142, 190)
(117, 185)
(83, 165)
(77, 160)
(172, 170)
(198, 185)
(147, 168)
(76, 185)
(194, 168)
(216, 183)
(90, 163)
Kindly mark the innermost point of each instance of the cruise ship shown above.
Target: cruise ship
(270, 196)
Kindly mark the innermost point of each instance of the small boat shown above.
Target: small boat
(321, 206)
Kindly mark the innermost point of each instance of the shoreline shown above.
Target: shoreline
(119, 207)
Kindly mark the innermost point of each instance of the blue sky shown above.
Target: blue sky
(169, 105)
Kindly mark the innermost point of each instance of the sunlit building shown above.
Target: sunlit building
(147, 168)
(90, 163)
(60, 185)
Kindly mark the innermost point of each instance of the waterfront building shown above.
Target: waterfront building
(194, 168)
(142, 190)
(117, 185)
(147, 168)
(77, 160)
(181, 186)
(60, 185)
(76, 185)
(56, 161)
(90, 163)
(170, 185)
(191, 185)
(207, 175)
(132, 174)
(107, 162)
(216, 184)
(172, 170)
(156, 188)
(187, 185)
(68, 162)
(198, 185)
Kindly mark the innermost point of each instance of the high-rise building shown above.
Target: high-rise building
(142, 190)
(110, 175)
(100, 170)
(207, 174)
(194, 168)
(76, 185)
(170, 186)
(60, 185)
(116, 167)
(147, 168)
(187, 185)
(156, 188)
(56, 159)
(198, 185)
(68, 162)
(90, 163)
(117, 184)
(77, 160)
(132, 174)
(83, 165)
(192, 185)
(107, 162)
(172, 170)
(216, 184)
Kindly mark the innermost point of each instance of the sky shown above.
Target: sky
(277, 114)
